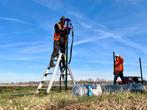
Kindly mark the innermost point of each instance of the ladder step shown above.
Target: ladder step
(65, 74)
(48, 74)
(51, 67)
(43, 81)
(42, 89)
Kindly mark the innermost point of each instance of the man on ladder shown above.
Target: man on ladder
(59, 57)
(58, 40)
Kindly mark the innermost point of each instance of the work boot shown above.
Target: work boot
(51, 63)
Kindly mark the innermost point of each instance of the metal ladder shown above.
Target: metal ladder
(53, 74)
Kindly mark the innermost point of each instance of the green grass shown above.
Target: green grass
(21, 98)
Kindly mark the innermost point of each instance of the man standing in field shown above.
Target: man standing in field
(118, 68)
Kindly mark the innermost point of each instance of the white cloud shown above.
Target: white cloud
(21, 57)
(102, 35)
(118, 36)
(83, 41)
(13, 20)
(90, 40)
(36, 49)
(75, 14)
(132, 2)
(86, 25)
(26, 51)
(29, 47)
(132, 44)
(94, 61)
(18, 44)
(51, 4)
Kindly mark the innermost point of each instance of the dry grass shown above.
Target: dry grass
(65, 101)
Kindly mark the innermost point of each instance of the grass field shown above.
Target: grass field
(20, 98)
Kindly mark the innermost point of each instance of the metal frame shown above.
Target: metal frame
(46, 73)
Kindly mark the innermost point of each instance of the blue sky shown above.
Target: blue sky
(101, 27)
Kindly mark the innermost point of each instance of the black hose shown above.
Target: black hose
(71, 47)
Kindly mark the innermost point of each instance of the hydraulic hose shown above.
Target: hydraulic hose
(71, 47)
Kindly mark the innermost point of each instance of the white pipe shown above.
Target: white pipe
(82, 90)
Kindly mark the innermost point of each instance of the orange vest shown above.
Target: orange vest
(57, 35)
(119, 65)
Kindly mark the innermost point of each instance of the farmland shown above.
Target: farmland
(22, 98)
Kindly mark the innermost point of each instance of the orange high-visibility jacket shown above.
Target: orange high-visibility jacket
(119, 65)
(58, 28)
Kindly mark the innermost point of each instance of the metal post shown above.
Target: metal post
(141, 70)
(66, 71)
(113, 62)
(60, 83)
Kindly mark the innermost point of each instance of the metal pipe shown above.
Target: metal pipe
(96, 89)
(66, 68)
(60, 82)
(141, 70)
